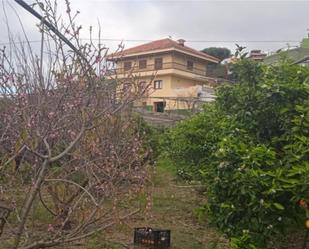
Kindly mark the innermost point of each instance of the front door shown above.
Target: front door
(159, 106)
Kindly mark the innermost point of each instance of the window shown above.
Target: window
(127, 65)
(158, 63)
(142, 64)
(190, 65)
(157, 84)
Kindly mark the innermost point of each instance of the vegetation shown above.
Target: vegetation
(70, 148)
(74, 157)
(220, 53)
(250, 149)
(172, 204)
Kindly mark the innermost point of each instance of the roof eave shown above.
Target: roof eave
(123, 55)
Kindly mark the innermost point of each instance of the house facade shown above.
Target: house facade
(257, 55)
(174, 70)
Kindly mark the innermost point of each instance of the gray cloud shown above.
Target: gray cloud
(191, 20)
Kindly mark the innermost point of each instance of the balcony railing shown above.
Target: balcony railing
(151, 68)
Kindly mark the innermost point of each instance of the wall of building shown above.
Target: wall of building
(166, 58)
(170, 85)
(177, 82)
(170, 60)
(198, 65)
(173, 89)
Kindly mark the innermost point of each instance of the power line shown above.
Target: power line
(244, 41)
(144, 40)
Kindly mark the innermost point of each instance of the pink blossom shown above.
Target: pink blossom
(51, 114)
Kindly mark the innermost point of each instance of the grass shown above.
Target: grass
(173, 205)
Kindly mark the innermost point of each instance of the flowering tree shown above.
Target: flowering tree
(69, 147)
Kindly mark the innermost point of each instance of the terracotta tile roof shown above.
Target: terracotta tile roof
(161, 45)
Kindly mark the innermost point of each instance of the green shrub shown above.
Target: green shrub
(250, 147)
(242, 242)
(149, 135)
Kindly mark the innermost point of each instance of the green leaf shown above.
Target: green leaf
(278, 206)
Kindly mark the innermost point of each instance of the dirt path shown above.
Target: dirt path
(173, 208)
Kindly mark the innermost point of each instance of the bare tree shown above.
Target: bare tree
(69, 147)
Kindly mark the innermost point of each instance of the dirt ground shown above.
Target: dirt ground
(173, 206)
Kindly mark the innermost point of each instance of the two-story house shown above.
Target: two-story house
(174, 69)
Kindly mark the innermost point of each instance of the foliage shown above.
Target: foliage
(242, 242)
(70, 149)
(150, 137)
(220, 53)
(217, 70)
(250, 147)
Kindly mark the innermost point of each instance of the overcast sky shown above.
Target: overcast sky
(195, 21)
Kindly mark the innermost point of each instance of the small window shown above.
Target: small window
(142, 64)
(158, 63)
(127, 65)
(190, 65)
(158, 84)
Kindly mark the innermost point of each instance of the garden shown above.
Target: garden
(80, 168)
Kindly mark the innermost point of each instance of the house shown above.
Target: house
(257, 55)
(176, 72)
(298, 55)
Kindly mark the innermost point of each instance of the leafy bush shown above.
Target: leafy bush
(242, 242)
(150, 137)
(250, 147)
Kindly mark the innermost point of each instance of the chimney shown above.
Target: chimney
(181, 42)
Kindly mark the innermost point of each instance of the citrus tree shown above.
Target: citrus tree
(250, 148)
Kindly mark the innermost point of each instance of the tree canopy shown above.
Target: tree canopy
(220, 53)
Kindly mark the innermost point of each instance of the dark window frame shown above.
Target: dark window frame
(190, 65)
(127, 65)
(158, 63)
(142, 64)
(158, 84)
